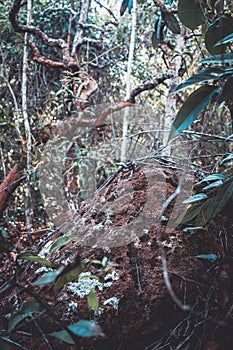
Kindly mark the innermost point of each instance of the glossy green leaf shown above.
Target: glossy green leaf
(31, 256)
(124, 6)
(219, 59)
(47, 278)
(130, 5)
(190, 13)
(225, 40)
(191, 109)
(63, 336)
(196, 198)
(194, 228)
(83, 328)
(207, 256)
(213, 184)
(214, 206)
(205, 75)
(172, 22)
(213, 177)
(60, 242)
(69, 276)
(93, 300)
(25, 310)
(218, 30)
(189, 214)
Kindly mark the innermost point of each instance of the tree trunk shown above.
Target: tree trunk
(9, 184)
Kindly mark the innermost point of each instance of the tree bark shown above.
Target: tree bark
(8, 186)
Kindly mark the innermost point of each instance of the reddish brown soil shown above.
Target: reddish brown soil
(147, 317)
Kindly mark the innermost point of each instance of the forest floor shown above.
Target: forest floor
(136, 310)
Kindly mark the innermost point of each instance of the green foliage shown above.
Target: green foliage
(93, 300)
(190, 13)
(83, 329)
(218, 30)
(27, 309)
(192, 107)
(31, 256)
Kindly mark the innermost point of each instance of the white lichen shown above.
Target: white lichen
(114, 302)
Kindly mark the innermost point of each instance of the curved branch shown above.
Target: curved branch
(68, 61)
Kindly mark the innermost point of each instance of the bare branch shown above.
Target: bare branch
(149, 85)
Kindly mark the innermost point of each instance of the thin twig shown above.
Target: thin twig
(163, 254)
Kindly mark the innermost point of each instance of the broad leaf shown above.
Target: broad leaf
(213, 184)
(25, 310)
(60, 243)
(225, 40)
(218, 30)
(124, 6)
(93, 300)
(206, 74)
(188, 215)
(214, 206)
(69, 276)
(196, 198)
(31, 256)
(213, 177)
(172, 22)
(47, 278)
(219, 59)
(83, 328)
(191, 108)
(190, 13)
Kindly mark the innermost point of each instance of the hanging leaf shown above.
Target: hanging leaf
(124, 6)
(25, 310)
(93, 300)
(83, 328)
(31, 256)
(191, 108)
(218, 30)
(172, 22)
(219, 59)
(190, 13)
(196, 198)
(130, 5)
(60, 242)
(205, 75)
